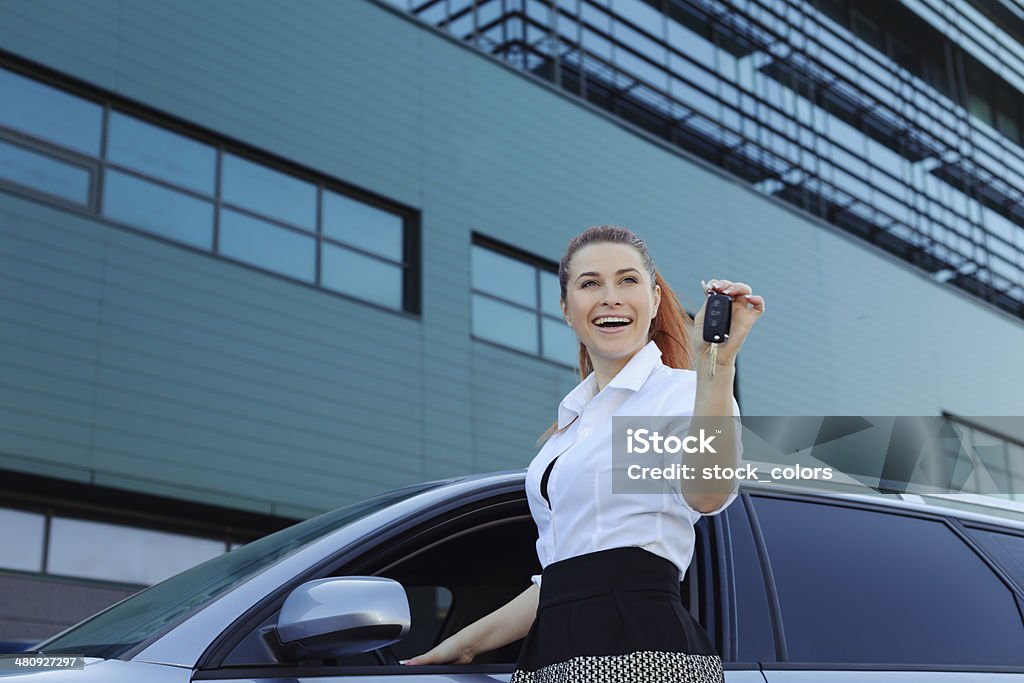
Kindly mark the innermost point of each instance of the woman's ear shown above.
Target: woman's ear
(565, 313)
(657, 301)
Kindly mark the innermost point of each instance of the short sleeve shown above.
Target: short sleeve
(543, 557)
(727, 503)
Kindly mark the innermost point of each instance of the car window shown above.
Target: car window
(429, 609)
(116, 630)
(754, 639)
(453, 575)
(480, 568)
(858, 585)
(1007, 548)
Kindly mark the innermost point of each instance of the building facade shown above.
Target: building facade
(260, 260)
(897, 122)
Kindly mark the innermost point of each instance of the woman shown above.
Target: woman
(607, 604)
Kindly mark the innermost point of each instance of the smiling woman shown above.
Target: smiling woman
(634, 279)
(610, 308)
(607, 604)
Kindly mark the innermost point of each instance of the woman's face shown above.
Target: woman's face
(610, 302)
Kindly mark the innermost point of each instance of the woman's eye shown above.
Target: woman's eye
(630, 279)
(588, 283)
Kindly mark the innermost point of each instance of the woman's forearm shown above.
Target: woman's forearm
(504, 625)
(712, 412)
(714, 393)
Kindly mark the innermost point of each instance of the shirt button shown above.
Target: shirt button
(584, 432)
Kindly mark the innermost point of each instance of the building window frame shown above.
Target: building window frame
(780, 121)
(540, 266)
(101, 169)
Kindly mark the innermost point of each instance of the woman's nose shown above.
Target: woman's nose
(611, 297)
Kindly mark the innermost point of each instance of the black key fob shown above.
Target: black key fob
(717, 317)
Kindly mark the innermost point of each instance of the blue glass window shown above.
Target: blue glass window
(362, 225)
(41, 111)
(361, 276)
(267, 245)
(558, 341)
(44, 173)
(22, 548)
(269, 192)
(159, 179)
(504, 277)
(515, 303)
(157, 209)
(504, 324)
(161, 154)
(550, 294)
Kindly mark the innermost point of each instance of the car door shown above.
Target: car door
(456, 562)
(856, 592)
(455, 567)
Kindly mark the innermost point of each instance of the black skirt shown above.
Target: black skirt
(615, 615)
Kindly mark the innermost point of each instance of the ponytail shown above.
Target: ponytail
(671, 329)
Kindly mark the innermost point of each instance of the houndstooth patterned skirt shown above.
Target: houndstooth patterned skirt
(615, 616)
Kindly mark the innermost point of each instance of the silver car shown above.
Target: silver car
(792, 587)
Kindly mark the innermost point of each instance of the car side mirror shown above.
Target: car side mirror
(338, 617)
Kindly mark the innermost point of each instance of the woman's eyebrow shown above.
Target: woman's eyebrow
(618, 272)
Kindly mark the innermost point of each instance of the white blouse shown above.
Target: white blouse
(584, 516)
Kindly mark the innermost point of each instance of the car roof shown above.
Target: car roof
(967, 507)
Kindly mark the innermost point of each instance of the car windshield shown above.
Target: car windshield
(141, 616)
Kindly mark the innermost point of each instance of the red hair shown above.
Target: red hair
(671, 327)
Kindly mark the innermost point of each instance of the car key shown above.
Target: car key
(717, 318)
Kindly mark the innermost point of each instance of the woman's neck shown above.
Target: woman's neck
(606, 370)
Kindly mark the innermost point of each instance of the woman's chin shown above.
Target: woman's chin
(614, 348)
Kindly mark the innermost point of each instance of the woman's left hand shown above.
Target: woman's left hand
(747, 307)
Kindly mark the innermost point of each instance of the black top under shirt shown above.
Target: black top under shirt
(544, 480)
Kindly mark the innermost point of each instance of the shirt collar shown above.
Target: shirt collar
(631, 377)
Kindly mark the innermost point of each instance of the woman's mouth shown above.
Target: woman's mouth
(612, 324)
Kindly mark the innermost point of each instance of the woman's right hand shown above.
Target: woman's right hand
(508, 623)
(449, 651)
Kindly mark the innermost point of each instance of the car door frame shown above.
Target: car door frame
(950, 521)
(425, 521)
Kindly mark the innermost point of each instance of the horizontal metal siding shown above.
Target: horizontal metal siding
(190, 377)
(239, 387)
(50, 277)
